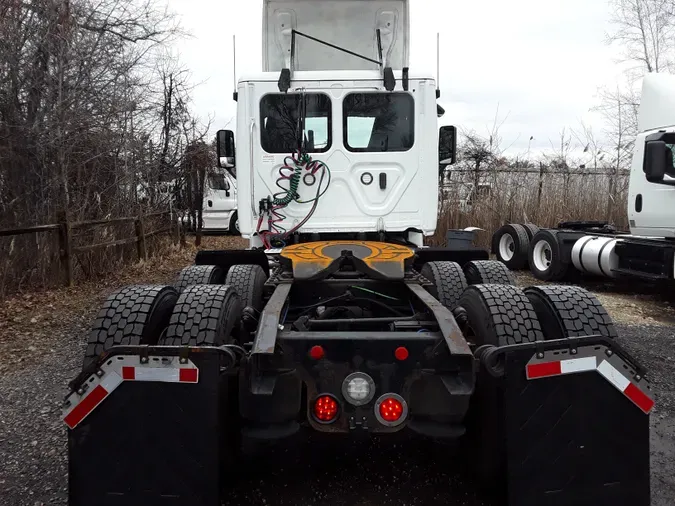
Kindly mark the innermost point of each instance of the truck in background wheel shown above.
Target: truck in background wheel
(647, 251)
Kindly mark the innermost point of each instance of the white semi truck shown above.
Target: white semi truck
(648, 250)
(336, 320)
(219, 210)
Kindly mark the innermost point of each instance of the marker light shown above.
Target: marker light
(326, 409)
(401, 353)
(317, 353)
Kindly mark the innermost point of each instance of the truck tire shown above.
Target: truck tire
(204, 315)
(131, 316)
(545, 257)
(449, 282)
(500, 315)
(488, 272)
(510, 244)
(531, 230)
(497, 315)
(249, 282)
(234, 224)
(570, 311)
(198, 275)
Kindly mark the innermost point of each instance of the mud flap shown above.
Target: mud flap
(153, 439)
(576, 425)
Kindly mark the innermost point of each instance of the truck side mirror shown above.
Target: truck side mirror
(655, 163)
(225, 148)
(447, 146)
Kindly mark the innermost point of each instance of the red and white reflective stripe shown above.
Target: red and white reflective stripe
(573, 365)
(95, 397)
(125, 368)
(584, 364)
(624, 385)
(160, 374)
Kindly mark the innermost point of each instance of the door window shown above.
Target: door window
(376, 122)
(281, 116)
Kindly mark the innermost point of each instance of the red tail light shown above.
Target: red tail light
(391, 410)
(326, 409)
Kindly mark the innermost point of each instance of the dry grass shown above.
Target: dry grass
(514, 198)
(30, 322)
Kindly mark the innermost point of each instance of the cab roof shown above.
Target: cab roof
(334, 75)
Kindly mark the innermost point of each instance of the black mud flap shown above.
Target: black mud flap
(147, 430)
(576, 425)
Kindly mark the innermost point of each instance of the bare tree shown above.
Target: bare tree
(645, 29)
(620, 110)
(92, 121)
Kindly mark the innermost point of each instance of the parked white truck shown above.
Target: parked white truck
(648, 250)
(219, 210)
(337, 321)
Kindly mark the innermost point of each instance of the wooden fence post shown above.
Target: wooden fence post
(181, 233)
(140, 236)
(66, 246)
(175, 229)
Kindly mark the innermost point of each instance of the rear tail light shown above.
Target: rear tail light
(326, 409)
(391, 410)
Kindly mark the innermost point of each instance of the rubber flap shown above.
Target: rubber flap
(151, 444)
(572, 440)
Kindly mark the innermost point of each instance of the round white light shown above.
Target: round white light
(358, 389)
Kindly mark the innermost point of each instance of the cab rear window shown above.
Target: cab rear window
(376, 122)
(280, 126)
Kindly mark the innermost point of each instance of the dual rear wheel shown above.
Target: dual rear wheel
(500, 315)
(199, 310)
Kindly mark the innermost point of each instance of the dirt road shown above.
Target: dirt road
(35, 367)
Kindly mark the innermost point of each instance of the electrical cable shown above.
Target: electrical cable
(295, 165)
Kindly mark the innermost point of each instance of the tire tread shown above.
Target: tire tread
(511, 313)
(248, 281)
(578, 312)
(198, 275)
(488, 272)
(449, 282)
(126, 318)
(199, 316)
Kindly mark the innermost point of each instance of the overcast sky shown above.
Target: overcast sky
(540, 61)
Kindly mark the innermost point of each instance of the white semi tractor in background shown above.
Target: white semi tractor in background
(219, 204)
(595, 248)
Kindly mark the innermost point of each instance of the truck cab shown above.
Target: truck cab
(219, 212)
(651, 199)
(341, 96)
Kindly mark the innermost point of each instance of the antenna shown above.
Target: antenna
(438, 65)
(235, 95)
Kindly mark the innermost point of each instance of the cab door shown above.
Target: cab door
(220, 202)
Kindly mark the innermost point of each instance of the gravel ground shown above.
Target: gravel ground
(33, 469)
